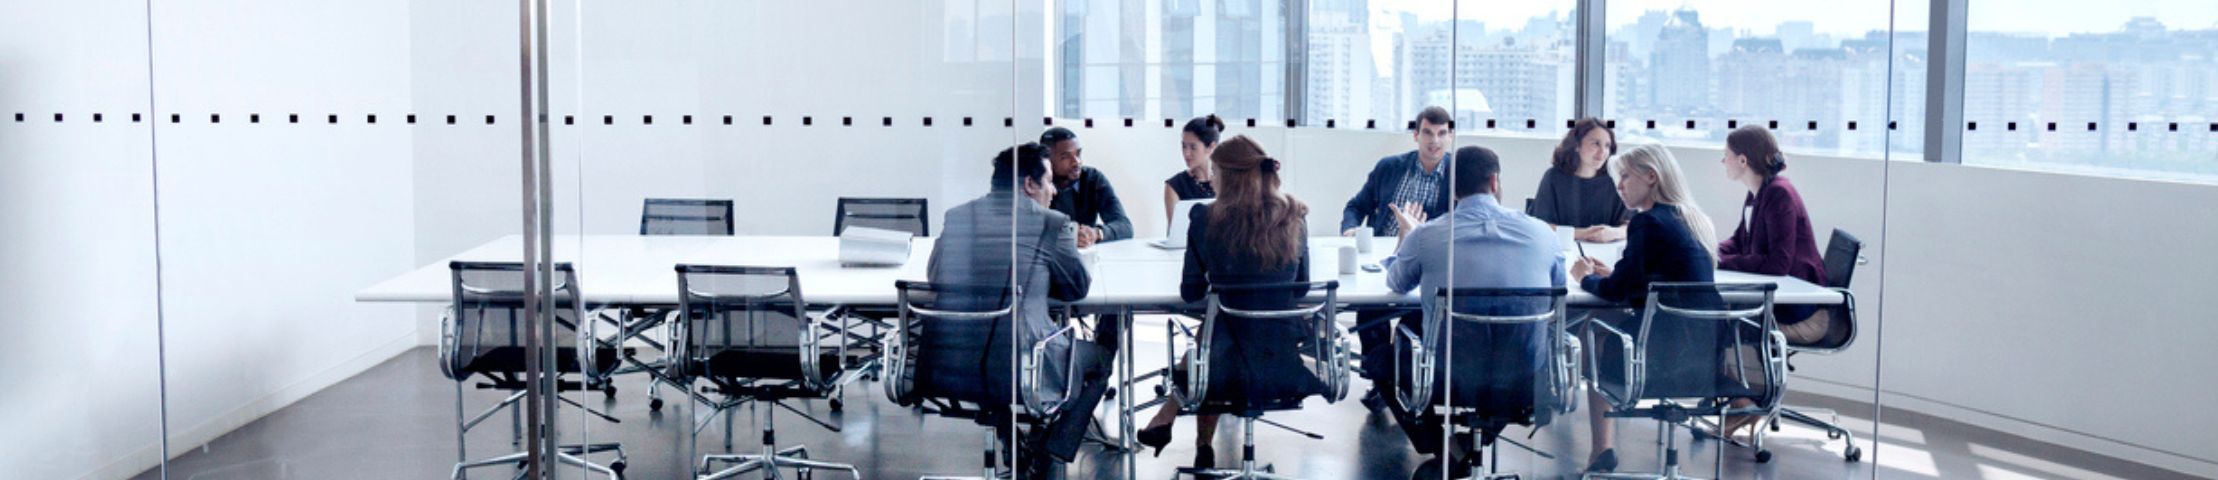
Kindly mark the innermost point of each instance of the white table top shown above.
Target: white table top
(638, 270)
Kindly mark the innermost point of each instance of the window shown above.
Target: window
(1170, 58)
(1811, 66)
(2114, 78)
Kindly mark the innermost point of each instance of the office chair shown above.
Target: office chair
(911, 215)
(660, 217)
(1238, 328)
(1676, 363)
(898, 214)
(951, 356)
(747, 332)
(1494, 376)
(679, 216)
(1843, 253)
(483, 335)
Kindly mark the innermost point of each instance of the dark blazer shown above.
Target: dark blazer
(1253, 358)
(1658, 248)
(1774, 236)
(1091, 201)
(1371, 205)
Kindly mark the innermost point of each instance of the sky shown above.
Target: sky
(1847, 17)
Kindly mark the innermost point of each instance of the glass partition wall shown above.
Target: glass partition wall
(568, 239)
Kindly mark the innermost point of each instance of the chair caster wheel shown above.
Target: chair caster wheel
(618, 467)
(1159, 390)
(654, 404)
(838, 405)
(609, 392)
(1854, 454)
(1775, 427)
(803, 475)
(1763, 456)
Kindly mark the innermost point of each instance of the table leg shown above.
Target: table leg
(1124, 394)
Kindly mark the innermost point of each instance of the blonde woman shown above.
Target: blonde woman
(1668, 240)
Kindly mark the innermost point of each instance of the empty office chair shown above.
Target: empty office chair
(681, 216)
(1843, 253)
(1490, 358)
(483, 336)
(897, 214)
(747, 332)
(1694, 348)
(951, 356)
(662, 216)
(1262, 348)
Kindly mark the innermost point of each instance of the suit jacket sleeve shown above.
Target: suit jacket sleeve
(1365, 202)
(1067, 276)
(1193, 281)
(1631, 272)
(1764, 252)
(1115, 225)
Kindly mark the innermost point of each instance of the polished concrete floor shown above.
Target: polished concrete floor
(397, 421)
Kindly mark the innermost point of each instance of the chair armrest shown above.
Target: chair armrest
(1032, 380)
(1632, 365)
(448, 343)
(1415, 393)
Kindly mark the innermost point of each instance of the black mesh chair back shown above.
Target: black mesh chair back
(487, 327)
(748, 330)
(1266, 347)
(1490, 350)
(678, 216)
(1689, 338)
(1843, 253)
(896, 214)
(952, 344)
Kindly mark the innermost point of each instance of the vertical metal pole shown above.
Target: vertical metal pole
(540, 436)
(1590, 59)
(1944, 83)
(1296, 49)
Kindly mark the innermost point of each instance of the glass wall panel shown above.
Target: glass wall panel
(749, 181)
(318, 167)
(83, 368)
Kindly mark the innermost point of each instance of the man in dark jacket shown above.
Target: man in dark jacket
(1083, 193)
(1418, 178)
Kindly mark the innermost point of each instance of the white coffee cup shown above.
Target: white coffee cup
(1347, 260)
(1363, 243)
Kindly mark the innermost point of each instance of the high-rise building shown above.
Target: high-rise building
(1680, 65)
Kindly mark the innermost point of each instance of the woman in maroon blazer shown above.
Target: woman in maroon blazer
(1774, 236)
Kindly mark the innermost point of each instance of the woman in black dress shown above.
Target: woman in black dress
(1195, 144)
(1254, 234)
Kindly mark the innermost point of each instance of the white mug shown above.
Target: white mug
(1347, 260)
(1363, 243)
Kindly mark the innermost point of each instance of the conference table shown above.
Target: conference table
(1130, 276)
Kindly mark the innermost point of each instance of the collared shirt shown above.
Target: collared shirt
(1418, 186)
(1484, 246)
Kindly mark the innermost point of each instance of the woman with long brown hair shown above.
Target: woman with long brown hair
(1252, 234)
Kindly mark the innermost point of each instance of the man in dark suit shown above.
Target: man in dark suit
(978, 246)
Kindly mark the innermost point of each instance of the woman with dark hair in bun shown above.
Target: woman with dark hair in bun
(1195, 143)
(1774, 236)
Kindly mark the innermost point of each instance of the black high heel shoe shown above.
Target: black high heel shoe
(1156, 437)
(1604, 463)
(1205, 457)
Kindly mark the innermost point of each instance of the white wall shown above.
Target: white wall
(80, 386)
(266, 229)
(269, 228)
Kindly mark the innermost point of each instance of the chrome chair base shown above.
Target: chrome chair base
(1833, 429)
(569, 455)
(769, 462)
